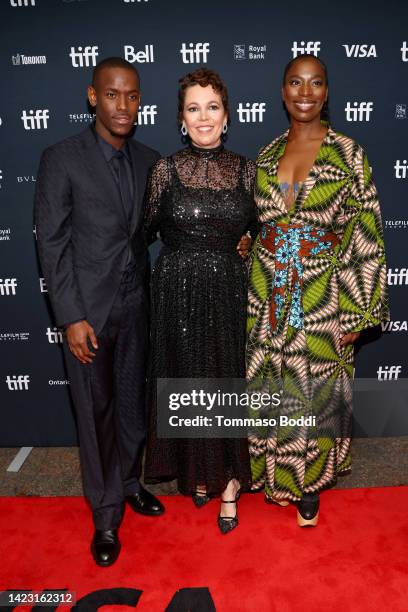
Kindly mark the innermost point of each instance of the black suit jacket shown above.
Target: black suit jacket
(82, 231)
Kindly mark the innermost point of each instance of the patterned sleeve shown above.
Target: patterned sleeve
(157, 188)
(249, 182)
(363, 291)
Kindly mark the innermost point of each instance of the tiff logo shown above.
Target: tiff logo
(251, 113)
(360, 50)
(401, 169)
(195, 53)
(397, 276)
(147, 114)
(308, 47)
(43, 286)
(404, 51)
(8, 286)
(15, 3)
(142, 57)
(359, 111)
(389, 372)
(83, 57)
(18, 383)
(35, 120)
(54, 336)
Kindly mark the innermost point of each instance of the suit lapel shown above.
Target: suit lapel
(101, 174)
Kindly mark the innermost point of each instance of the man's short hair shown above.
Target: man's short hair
(112, 62)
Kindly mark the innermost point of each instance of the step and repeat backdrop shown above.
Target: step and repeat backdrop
(48, 51)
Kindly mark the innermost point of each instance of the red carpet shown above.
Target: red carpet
(355, 560)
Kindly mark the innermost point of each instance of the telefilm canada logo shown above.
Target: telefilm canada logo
(357, 50)
(251, 112)
(14, 336)
(310, 47)
(81, 117)
(396, 224)
(195, 53)
(359, 111)
(22, 60)
(249, 52)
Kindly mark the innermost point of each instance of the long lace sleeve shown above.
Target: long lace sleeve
(156, 190)
(249, 183)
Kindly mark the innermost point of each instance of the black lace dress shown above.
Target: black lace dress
(201, 202)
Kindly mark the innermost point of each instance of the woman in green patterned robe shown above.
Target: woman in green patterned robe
(317, 279)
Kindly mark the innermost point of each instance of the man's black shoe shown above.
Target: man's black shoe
(145, 503)
(105, 546)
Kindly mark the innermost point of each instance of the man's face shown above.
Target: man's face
(116, 96)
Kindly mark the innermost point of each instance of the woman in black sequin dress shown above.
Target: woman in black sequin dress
(201, 201)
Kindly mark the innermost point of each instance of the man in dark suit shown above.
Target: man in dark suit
(89, 218)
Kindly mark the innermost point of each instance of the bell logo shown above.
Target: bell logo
(18, 383)
(404, 51)
(359, 111)
(8, 286)
(54, 335)
(308, 47)
(195, 53)
(397, 276)
(142, 57)
(360, 50)
(251, 113)
(15, 3)
(389, 372)
(146, 114)
(84, 57)
(401, 169)
(35, 120)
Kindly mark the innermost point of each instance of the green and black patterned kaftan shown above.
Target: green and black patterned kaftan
(317, 273)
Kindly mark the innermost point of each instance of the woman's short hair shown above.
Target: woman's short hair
(203, 77)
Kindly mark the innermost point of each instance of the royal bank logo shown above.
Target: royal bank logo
(17, 382)
(8, 286)
(22, 60)
(81, 117)
(5, 234)
(54, 335)
(35, 120)
(389, 372)
(254, 52)
(14, 336)
(400, 111)
(357, 50)
(404, 51)
(394, 326)
(359, 111)
(251, 112)
(401, 168)
(17, 3)
(310, 47)
(396, 223)
(145, 56)
(43, 285)
(397, 276)
(84, 57)
(147, 115)
(195, 53)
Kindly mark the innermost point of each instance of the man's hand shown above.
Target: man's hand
(349, 338)
(244, 245)
(77, 337)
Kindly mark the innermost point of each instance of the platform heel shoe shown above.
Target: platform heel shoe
(308, 510)
(228, 523)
